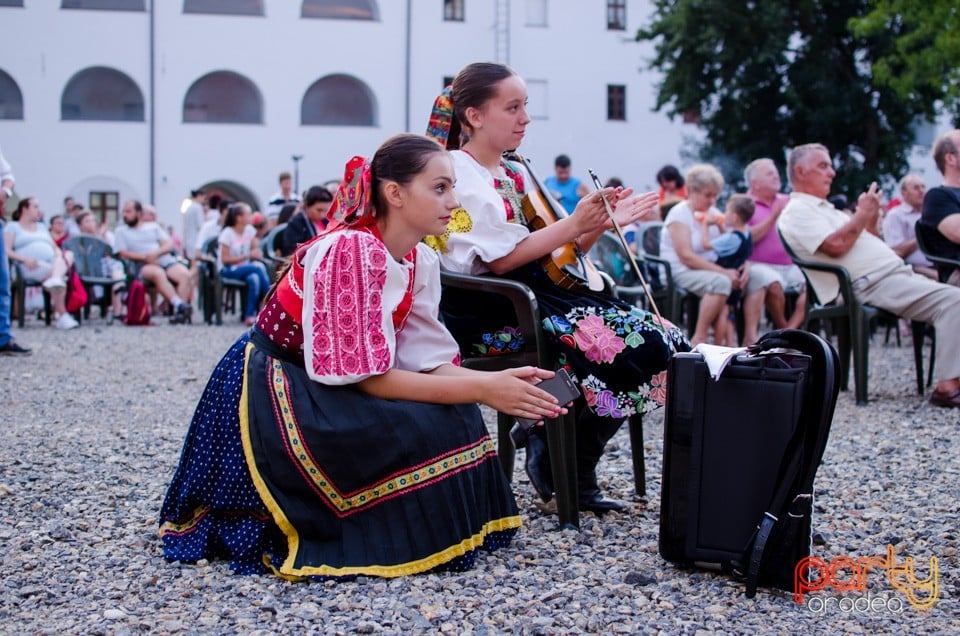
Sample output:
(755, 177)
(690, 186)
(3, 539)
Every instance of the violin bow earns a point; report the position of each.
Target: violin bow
(626, 247)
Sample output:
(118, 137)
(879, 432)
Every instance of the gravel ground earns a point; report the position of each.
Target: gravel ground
(95, 419)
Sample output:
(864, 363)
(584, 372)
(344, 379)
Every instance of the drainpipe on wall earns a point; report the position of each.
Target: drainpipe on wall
(406, 82)
(152, 90)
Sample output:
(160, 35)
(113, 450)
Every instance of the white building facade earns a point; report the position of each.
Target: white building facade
(105, 100)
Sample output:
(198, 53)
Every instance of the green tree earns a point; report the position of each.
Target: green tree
(761, 77)
(926, 50)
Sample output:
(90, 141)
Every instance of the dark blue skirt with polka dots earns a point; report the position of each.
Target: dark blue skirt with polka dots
(311, 481)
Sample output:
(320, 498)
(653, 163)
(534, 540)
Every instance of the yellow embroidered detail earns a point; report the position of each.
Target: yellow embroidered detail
(400, 569)
(460, 222)
(170, 527)
(388, 487)
(293, 539)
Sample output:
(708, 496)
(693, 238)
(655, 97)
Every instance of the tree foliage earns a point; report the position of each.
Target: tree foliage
(926, 50)
(761, 77)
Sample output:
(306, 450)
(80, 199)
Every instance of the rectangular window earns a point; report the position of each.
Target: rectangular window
(536, 13)
(11, 3)
(616, 15)
(105, 206)
(616, 102)
(453, 10)
(104, 5)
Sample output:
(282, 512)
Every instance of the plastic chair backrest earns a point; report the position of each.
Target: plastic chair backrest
(88, 254)
(945, 265)
(210, 247)
(609, 256)
(270, 242)
(649, 234)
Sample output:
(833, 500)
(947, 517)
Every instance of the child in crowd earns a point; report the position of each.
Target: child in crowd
(733, 248)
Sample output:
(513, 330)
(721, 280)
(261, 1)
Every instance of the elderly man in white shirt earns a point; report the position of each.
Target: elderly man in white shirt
(899, 224)
(817, 231)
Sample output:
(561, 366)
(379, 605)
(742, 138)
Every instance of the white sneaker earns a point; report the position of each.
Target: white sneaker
(66, 321)
(54, 282)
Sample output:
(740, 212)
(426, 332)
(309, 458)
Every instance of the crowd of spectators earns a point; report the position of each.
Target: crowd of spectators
(231, 233)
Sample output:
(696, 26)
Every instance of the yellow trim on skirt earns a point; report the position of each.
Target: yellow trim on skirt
(287, 569)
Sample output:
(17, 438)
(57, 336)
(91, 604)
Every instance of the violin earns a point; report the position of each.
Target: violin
(567, 266)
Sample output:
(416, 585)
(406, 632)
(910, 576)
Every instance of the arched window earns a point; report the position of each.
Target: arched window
(99, 93)
(226, 7)
(338, 100)
(104, 5)
(341, 9)
(11, 99)
(223, 97)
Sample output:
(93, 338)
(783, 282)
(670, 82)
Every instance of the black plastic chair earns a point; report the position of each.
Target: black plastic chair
(945, 266)
(851, 320)
(218, 293)
(89, 253)
(18, 293)
(271, 256)
(561, 432)
(674, 301)
(610, 257)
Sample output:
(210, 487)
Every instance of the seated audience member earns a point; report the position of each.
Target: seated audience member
(237, 246)
(763, 183)
(613, 182)
(286, 212)
(672, 186)
(733, 248)
(103, 232)
(940, 219)
(899, 224)
(70, 211)
(212, 226)
(29, 243)
(148, 247)
(309, 221)
(817, 231)
(695, 268)
(58, 230)
(110, 267)
(260, 224)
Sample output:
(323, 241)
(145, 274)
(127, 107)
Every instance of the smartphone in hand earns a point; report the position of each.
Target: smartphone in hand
(560, 386)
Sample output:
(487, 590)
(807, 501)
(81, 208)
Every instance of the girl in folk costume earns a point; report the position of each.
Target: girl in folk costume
(617, 353)
(339, 437)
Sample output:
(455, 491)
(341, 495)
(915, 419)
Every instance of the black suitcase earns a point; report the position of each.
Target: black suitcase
(741, 452)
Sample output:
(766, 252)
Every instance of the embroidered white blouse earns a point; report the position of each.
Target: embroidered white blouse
(485, 234)
(352, 287)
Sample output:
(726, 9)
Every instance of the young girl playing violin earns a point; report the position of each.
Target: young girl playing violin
(339, 437)
(617, 353)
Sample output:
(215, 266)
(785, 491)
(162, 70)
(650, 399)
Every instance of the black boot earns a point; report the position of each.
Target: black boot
(537, 463)
(593, 433)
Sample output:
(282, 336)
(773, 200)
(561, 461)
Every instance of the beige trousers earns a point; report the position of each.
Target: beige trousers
(907, 294)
